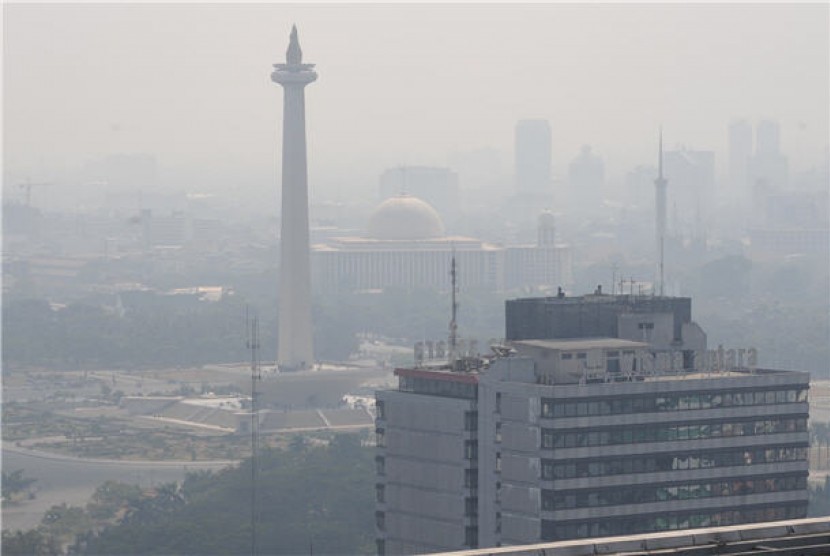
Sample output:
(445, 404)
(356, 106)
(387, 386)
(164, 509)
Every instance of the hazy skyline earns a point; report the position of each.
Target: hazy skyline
(401, 84)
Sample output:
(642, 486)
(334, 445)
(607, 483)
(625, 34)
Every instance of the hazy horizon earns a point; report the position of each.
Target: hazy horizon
(401, 84)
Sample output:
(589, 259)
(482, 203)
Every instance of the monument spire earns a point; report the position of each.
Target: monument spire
(294, 54)
(295, 349)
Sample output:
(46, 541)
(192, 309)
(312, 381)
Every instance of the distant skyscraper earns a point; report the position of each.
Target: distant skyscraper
(295, 347)
(740, 149)
(769, 137)
(692, 175)
(768, 168)
(533, 156)
(586, 177)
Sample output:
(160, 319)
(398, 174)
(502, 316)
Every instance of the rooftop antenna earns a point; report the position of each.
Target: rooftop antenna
(252, 343)
(453, 325)
(660, 216)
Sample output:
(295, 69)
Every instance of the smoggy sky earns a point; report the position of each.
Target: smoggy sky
(401, 84)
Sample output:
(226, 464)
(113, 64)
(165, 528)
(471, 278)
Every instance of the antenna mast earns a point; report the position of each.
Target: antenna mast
(660, 215)
(453, 325)
(252, 344)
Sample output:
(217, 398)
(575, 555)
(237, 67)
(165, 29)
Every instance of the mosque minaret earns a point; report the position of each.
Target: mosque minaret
(295, 349)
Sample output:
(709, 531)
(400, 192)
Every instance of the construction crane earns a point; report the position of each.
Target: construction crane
(28, 185)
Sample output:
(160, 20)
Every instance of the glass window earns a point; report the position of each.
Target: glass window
(471, 507)
(547, 469)
(470, 449)
(470, 420)
(471, 477)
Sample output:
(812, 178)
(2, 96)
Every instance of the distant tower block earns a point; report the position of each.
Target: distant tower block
(295, 346)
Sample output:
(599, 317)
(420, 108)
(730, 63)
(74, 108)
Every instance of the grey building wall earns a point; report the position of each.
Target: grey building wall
(423, 506)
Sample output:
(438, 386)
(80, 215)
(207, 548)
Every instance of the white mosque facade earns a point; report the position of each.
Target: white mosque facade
(406, 247)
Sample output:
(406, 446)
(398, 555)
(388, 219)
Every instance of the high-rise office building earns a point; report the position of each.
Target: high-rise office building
(586, 180)
(691, 174)
(768, 167)
(533, 157)
(295, 345)
(588, 436)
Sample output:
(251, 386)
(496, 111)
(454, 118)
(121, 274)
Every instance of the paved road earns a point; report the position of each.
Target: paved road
(73, 480)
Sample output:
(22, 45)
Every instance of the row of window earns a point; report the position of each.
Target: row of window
(611, 527)
(445, 388)
(670, 462)
(669, 402)
(641, 494)
(665, 433)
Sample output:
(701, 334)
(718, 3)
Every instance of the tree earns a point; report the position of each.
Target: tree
(320, 496)
(14, 482)
(31, 543)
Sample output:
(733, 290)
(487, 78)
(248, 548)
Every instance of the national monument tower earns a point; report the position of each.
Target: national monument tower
(295, 346)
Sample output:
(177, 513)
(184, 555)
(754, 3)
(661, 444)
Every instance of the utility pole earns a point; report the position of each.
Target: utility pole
(252, 343)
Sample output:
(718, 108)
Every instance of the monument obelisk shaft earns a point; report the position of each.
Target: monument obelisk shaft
(295, 349)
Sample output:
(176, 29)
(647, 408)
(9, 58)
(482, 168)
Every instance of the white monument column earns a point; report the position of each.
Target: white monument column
(295, 347)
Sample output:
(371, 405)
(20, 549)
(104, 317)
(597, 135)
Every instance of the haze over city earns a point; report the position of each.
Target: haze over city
(412, 278)
(402, 84)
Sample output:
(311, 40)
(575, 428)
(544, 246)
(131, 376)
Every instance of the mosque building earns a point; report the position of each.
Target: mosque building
(406, 247)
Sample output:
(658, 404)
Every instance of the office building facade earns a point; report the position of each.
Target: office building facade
(555, 439)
